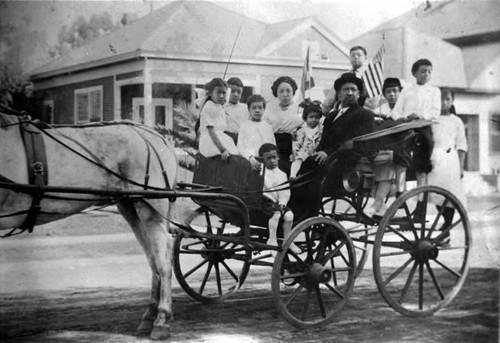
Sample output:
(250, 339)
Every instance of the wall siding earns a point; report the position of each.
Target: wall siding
(63, 97)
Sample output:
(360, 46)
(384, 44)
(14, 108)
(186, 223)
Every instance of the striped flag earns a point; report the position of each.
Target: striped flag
(373, 76)
(307, 78)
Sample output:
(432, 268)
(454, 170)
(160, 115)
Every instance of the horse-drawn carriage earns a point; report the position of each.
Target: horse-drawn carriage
(416, 270)
(218, 242)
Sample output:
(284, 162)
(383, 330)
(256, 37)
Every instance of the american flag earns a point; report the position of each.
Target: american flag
(373, 76)
(307, 78)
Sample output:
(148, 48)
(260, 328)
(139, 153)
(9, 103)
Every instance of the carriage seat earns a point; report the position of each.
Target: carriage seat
(235, 177)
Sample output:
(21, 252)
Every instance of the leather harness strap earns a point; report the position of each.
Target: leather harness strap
(37, 169)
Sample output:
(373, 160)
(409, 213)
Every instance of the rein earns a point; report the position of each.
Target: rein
(39, 177)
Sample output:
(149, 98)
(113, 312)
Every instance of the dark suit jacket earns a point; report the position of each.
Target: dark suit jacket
(356, 121)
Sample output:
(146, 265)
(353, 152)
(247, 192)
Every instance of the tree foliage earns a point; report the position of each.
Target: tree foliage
(82, 31)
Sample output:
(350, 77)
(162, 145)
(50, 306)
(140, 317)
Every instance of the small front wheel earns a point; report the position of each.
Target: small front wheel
(210, 270)
(313, 276)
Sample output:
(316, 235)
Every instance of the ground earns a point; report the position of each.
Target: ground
(84, 279)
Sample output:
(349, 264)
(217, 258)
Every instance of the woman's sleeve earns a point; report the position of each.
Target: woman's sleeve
(209, 115)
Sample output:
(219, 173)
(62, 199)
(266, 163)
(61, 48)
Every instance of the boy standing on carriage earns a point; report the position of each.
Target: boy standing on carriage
(237, 112)
(276, 196)
(420, 101)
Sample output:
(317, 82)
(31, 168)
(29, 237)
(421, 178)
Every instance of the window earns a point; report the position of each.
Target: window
(495, 133)
(88, 104)
(162, 111)
(48, 111)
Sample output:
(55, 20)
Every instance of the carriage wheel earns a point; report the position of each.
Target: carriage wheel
(420, 261)
(207, 269)
(344, 211)
(310, 287)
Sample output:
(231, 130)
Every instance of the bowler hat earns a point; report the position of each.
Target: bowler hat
(346, 78)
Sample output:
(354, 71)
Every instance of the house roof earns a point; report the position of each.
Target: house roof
(183, 29)
(454, 20)
(404, 45)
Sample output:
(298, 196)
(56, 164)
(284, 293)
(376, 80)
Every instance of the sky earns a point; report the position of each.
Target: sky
(42, 19)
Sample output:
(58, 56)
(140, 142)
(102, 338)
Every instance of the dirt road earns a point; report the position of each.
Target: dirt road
(68, 284)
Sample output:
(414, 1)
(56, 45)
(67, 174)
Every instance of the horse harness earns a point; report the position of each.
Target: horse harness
(32, 136)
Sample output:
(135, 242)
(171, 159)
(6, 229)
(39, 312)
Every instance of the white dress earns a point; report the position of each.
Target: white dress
(449, 137)
(214, 115)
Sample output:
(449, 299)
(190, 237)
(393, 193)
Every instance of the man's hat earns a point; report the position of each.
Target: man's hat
(346, 78)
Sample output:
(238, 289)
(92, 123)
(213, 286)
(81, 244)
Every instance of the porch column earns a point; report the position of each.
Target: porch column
(149, 119)
(117, 108)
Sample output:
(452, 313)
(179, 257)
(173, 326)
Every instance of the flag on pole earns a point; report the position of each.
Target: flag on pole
(307, 78)
(373, 76)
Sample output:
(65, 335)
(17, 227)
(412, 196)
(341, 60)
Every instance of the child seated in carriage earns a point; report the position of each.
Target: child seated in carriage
(274, 203)
(308, 134)
(254, 132)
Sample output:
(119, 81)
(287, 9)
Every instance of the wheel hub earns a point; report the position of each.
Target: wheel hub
(425, 251)
(318, 274)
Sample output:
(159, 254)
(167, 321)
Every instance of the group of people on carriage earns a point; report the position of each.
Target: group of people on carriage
(290, 139)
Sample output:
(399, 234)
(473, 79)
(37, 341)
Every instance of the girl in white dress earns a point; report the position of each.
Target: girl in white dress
(448, 155)
(213, 123)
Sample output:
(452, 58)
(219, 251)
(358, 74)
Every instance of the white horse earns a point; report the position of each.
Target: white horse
(124, 150)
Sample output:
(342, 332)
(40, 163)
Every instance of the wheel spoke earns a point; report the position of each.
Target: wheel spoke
(408, 215)
(334, 290)
(217, 277)
(229, 270)
(408, 283)
(398, 271)
(434, 280)
(209, 222)
(421, 286)
(195, 268)
(449, 228)
(319, 298)
(321, 246)
(306, 306)
(292, 276)
(205, 278)
(293, 295)
(439, 214)
(457, 274)
(333, 252)
(396, 231)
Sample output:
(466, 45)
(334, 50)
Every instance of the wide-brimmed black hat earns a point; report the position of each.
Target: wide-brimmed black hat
(348, 77)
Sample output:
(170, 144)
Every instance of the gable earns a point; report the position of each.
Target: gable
(321, 48)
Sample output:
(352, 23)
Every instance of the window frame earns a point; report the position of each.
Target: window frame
(88, 91)
(45, 104)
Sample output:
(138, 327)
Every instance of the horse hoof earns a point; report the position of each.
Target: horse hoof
(160, 332)
(145, 328)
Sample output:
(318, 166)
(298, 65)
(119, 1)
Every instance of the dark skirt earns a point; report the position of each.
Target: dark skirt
(284, 144)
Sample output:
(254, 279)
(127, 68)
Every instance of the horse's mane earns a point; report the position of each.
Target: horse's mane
(6, 119)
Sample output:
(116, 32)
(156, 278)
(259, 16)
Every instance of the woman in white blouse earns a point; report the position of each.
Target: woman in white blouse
(284, 118)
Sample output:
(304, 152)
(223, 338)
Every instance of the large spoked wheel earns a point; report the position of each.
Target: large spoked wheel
(421, 252)
(311, 286)
(344, 211)
(210, 270)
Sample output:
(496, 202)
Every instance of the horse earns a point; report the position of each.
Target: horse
(115, 156)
